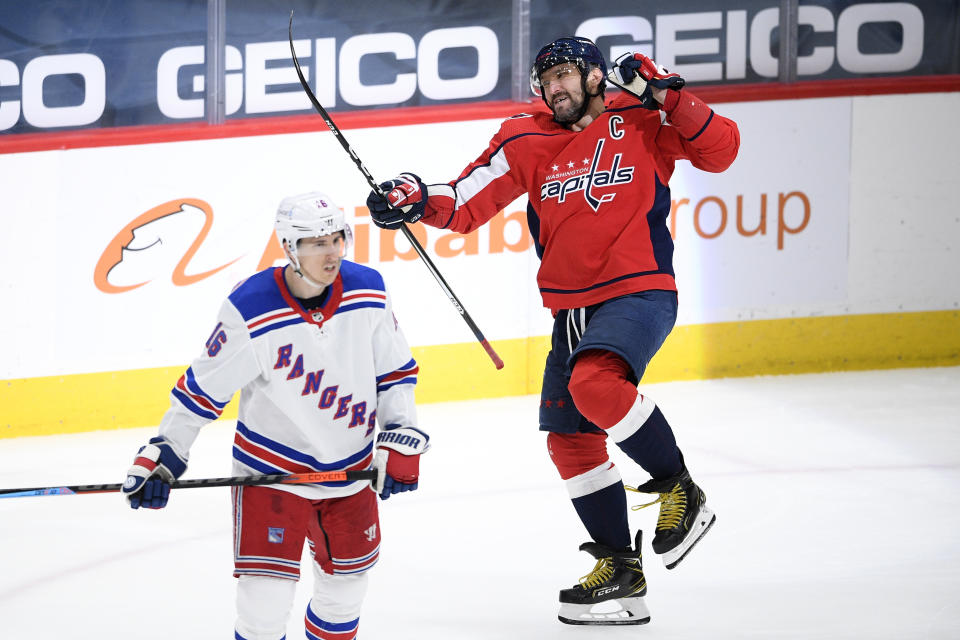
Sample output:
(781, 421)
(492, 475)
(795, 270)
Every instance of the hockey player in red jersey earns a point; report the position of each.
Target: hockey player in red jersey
(596, 178)
(320, 361)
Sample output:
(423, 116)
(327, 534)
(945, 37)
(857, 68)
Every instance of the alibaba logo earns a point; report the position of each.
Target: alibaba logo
(150, 244)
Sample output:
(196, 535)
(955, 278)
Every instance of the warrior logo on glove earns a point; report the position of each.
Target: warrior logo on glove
(398, 459)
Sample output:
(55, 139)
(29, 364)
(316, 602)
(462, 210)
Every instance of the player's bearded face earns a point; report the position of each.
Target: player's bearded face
(564, 92)
(320, 257)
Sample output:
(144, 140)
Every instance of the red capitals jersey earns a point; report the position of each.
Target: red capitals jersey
(598, 198)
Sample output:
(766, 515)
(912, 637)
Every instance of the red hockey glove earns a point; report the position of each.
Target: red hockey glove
(406, 202)
(638, 74)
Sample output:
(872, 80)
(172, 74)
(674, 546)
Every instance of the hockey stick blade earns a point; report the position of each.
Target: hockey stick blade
(235, 481)
(498, 363)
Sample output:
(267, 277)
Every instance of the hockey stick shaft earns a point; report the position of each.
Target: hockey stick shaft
(376, 187)
(235, 481)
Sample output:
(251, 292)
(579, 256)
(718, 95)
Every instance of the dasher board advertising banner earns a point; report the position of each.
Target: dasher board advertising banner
(66, 64)
(710, 42)
(119, 258)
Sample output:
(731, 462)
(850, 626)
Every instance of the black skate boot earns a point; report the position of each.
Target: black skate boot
(610, 594)
(684, 515)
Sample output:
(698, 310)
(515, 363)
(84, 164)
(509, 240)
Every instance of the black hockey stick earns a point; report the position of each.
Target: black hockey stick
(376, 187)
(236, 481)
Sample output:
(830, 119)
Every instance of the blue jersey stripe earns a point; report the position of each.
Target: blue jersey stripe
(703, 128)
(194, 387)
(609, 282)
(276, 325)
(192, 406)
(408, 380)
(359, 305)
(409, 365)
(242, 456)
(660, 238)
(300, 457)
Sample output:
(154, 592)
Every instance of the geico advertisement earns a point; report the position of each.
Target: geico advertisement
(429, 56)
(119, 258)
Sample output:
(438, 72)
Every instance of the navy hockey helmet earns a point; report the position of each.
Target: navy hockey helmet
(580, 51)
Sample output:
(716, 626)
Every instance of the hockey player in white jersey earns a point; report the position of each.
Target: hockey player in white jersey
(320, 361)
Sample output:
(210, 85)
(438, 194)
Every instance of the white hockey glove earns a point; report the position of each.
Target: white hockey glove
(148, 480)
(636, 73)
(398, 460)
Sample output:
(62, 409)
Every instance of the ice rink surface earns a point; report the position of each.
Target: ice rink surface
(837, 500)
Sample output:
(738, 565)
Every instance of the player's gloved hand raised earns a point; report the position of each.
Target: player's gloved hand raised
(148, 480)
(406, 201)
(398, 460)
(639, 75)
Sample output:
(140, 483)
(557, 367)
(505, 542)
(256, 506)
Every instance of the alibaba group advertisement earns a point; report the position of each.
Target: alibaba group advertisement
(119, 258)
(122, 257)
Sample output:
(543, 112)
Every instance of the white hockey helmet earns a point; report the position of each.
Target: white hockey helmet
(309, 215)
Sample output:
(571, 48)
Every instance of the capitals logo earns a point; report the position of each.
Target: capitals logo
(587, 179)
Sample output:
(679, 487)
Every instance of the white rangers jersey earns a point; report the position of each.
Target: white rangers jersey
(312, 384)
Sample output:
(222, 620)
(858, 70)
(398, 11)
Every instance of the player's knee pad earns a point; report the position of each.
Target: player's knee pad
(263, 607)
(583, 462)
(338, 596)
(601, 388)
(577, 453)
(334, 609)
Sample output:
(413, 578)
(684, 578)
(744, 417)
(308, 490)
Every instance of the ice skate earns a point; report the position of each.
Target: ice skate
(684, 515)
(610, 594)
